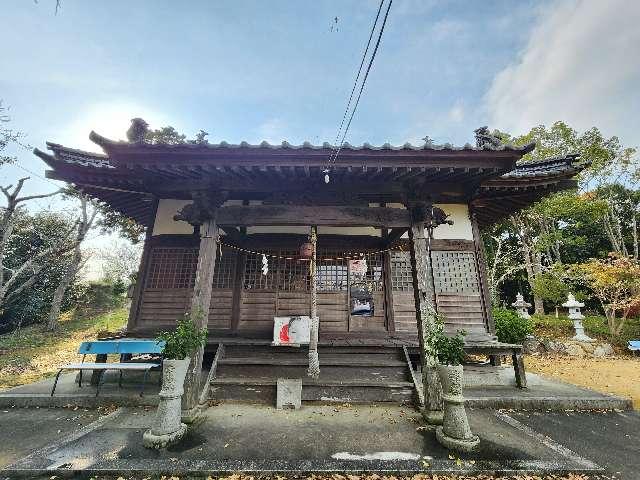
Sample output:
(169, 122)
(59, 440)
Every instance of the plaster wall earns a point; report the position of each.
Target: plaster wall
(459, 213)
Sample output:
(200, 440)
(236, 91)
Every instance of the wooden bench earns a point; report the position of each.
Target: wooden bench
(494, 350)
(126, 348)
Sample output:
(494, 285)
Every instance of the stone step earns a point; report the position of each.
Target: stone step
(263, 390)
(298, 369)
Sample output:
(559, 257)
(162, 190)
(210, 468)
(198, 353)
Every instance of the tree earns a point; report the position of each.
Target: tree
(615, 281)
(7, 135)
(33, 233)
(503, 258)
(15, 280)
(572, 226)
(552, 286)
(83, 225)
(120, 262)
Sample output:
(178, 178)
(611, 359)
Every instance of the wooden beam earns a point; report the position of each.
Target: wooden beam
(394, 235)
(285, 215)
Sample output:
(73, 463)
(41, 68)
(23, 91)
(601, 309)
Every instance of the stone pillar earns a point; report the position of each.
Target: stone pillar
(522, 307)
(576, 316)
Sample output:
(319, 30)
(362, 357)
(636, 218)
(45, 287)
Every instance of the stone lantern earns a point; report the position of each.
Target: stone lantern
(576, 316)
(522, 307)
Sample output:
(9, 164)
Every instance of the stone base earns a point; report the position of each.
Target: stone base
(458, 444)
(432, 417)
(157, 442)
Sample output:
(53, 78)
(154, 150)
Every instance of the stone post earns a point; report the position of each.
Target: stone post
(576, 316)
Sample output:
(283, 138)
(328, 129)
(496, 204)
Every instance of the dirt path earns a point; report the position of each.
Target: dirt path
(617, 375)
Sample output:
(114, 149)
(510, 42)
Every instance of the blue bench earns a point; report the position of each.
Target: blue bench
(126, 348)
(634, 345)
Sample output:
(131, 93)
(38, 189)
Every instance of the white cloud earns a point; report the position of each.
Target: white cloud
(581, 65)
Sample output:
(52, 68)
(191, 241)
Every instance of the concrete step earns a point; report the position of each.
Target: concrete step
(263, 390)
(298, 369)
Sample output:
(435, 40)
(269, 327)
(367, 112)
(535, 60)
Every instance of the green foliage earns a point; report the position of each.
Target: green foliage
(447, 350)
(510, 328)
(101, 296)
(552, 285)
(451, 349)
(184, 340)
(33, 233)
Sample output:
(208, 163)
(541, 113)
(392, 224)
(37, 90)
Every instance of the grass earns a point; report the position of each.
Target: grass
(33, 353)
(548, 326)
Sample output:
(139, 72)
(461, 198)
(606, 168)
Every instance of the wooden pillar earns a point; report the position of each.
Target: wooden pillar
(202, 212)
(481, 262)
(200, 304)
(141, 278)
(424, 296)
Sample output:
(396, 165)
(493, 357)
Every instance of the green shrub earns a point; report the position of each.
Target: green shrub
(99, 297)
(510, 328)
(184, 340)
(451, 349)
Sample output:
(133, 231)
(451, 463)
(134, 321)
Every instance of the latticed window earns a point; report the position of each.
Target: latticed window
(172, 268)
(288, 273)
(455, 272)
(175, 267)
(401, 279)
(223, 276)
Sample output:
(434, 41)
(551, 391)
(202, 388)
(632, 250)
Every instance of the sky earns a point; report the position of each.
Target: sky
(256, 70)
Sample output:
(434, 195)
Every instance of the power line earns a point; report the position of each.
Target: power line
(364, 81)
(355, 83)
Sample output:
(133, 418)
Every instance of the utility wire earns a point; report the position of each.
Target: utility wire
(355, 83)
(364, 81)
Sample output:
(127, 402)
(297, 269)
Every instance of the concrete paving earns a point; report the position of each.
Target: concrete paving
(317, 438)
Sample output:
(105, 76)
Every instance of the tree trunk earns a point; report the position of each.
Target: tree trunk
(58, 296)
(84, 225)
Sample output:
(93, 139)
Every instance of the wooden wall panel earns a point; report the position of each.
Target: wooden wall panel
(162, 307)
(257, 309)
(404, 312)
(375, 323)
(332, 310)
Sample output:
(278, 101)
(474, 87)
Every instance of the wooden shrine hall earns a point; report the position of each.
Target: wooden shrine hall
(217, 214)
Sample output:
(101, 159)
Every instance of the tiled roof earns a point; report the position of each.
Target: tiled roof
(546, 167)
(105, 142)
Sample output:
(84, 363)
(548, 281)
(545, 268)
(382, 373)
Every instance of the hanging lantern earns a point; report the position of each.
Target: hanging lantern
(306, 250)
